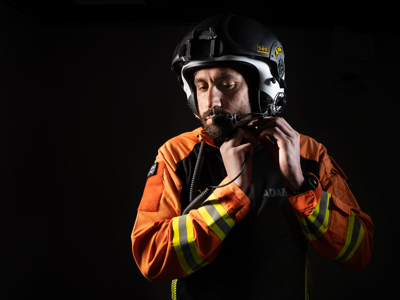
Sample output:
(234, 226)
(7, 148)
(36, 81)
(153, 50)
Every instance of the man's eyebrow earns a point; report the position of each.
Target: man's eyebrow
(223, 76)
(198, 80)
(227, 76)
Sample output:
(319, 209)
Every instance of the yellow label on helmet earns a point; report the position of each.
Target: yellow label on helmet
(277, 51)
(262, 49)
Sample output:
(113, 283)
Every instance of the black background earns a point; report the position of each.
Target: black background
(85, 106)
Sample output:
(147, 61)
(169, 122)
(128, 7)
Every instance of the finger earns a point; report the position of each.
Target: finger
(247, 149)
(262, 121)
(234, 139)
(249, 136)
(276, 132)
(274, 123)
(279, 122)
(246, 152)
(238, 135)
(240, 152)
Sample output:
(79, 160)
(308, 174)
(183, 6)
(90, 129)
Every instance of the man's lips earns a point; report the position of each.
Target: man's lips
(213, 114)
(209, 118)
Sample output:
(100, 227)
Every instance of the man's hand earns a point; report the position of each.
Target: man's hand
(286, 152)
(234, 155)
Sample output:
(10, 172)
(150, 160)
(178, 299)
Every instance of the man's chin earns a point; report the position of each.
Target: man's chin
(218, 132)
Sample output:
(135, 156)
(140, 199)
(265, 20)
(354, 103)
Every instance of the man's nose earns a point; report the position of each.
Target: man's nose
(214, 97)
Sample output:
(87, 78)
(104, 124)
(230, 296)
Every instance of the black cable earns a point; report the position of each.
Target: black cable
(207, 192)
(197, 170)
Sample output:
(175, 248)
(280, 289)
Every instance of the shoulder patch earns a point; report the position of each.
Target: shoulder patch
(153, 170)
(153, 189)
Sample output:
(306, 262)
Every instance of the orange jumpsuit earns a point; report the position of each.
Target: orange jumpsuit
(168, 246)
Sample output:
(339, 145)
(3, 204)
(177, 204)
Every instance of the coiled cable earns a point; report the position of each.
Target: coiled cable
(197, 171)
(207, 192)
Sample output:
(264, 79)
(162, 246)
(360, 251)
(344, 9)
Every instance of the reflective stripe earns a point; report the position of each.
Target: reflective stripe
(177, 246)
(194, 253)
(354, 236)
(316, 223)
(173, 289)
(217, 217)
(185, 245)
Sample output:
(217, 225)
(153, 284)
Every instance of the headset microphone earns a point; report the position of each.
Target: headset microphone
(224, 118)
(233, 118)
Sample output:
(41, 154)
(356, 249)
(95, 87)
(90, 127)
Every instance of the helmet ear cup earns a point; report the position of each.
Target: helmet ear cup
(280, 102)
(272, 106)
(278, 66)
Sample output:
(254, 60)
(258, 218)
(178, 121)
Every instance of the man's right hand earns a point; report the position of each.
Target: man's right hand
(235, 154)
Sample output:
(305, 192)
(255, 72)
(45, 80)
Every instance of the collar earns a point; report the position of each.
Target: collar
(202, 135)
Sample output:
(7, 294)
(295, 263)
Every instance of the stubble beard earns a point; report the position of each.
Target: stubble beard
(221, 132)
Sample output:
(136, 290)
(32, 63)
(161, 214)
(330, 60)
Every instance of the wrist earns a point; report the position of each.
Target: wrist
(243, 183)
(296, 183)
(310, 183)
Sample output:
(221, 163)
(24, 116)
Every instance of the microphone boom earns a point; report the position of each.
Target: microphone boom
(224, 118)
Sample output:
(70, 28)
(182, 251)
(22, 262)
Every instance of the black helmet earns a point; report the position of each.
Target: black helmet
(239, 43)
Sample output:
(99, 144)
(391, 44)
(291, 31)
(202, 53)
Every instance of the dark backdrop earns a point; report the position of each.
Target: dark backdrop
(83, 110)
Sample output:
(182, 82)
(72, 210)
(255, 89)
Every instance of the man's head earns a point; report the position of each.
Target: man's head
(239, 43)
(221, 90)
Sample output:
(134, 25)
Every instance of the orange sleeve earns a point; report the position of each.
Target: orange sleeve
(331, 218)
(168, 246)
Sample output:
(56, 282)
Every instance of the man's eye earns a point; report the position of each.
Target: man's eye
(229, 86)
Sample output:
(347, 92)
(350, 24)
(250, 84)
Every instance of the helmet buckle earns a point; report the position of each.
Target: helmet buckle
(212, 36)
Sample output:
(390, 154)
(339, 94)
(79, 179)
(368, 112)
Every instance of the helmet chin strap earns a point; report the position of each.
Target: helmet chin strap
(273, 108)
(234, 119)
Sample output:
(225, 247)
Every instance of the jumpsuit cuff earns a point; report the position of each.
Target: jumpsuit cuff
(234, 200)
(304, 203)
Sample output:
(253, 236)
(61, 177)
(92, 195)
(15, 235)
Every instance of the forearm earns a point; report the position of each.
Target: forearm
(167, 245)
(334, 226)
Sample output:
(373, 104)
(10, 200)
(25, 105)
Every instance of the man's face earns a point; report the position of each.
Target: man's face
(221, 90)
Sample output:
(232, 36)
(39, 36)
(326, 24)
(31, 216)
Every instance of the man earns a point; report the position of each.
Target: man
(228, 209)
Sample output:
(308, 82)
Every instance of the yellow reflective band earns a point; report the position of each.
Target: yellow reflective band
(178, 248)
(212, 197)
(316, 223)
(192, 243)
(349, 233)
(173, 289)
(302, 221)
(357, 245)
(224, 214)
(210, 222)
(321, 230)
(354, 236)
(216, 217)
(314, 214)
(185, 245)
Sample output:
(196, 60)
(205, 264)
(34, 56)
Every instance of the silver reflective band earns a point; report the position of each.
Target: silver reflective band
(217, 218)
(185, 244)
(354, 237)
